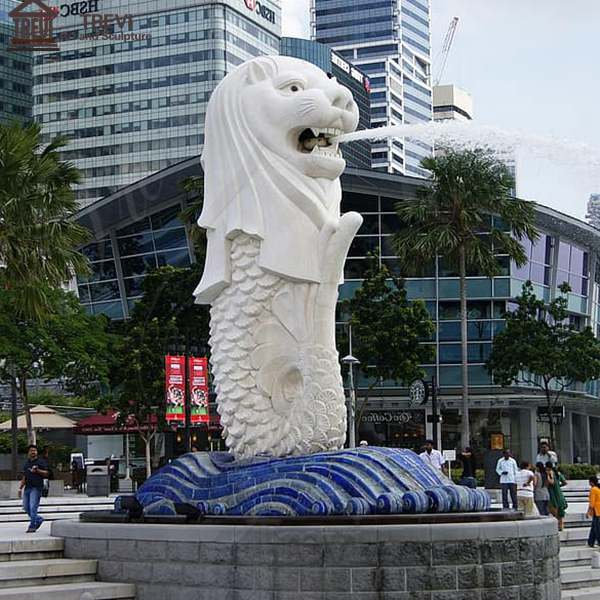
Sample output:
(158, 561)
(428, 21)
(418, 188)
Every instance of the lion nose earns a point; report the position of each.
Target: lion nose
(341, 97)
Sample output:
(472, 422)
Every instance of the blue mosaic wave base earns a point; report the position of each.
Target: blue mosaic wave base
(359, 481)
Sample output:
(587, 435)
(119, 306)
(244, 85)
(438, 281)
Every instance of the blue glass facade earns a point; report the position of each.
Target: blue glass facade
(121, 260)
(16, 78)
(138, 229)
(135, 106)
(390, 41)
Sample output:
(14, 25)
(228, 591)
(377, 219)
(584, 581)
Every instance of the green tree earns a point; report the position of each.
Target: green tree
(68, 344)
(194, 188)
(540, 348)
(51, 398)
(164, 318)
(450, 218)
(387, 331)
(38, 236)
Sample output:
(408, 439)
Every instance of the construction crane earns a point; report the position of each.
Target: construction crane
(446, 46)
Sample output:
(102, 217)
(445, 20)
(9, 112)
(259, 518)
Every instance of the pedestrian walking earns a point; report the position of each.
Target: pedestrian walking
(557, 504)
(32, 483)
(507, 469)
(546, 455)
(434, 458)
(541, 495)
(594, 512)
(525, 490)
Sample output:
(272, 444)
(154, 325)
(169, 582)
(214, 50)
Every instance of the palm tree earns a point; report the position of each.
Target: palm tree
(39, 238)
(448, 218)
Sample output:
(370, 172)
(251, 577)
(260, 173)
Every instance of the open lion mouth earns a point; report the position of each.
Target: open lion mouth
(314, 140)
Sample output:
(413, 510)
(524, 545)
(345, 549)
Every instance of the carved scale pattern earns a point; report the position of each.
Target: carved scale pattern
(279, 393)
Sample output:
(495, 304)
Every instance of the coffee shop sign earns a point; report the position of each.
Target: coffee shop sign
(387, 417)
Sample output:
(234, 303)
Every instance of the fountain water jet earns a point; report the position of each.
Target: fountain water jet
(470, 135)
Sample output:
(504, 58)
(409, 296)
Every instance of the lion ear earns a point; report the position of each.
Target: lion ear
(260, 69)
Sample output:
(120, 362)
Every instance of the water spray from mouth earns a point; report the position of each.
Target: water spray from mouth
(469, 135)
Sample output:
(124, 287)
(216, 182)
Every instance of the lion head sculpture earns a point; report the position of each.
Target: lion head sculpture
(271, 169)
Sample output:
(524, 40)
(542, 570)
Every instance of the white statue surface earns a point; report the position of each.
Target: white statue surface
(275, 255)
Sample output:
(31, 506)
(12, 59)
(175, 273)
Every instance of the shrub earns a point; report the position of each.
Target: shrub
(578, 471)
(6, 442)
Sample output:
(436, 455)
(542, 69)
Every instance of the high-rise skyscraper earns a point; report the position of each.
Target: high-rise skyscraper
(451, 103)
(16, 101)
(593, 210)
(389, 40)
(130, 82)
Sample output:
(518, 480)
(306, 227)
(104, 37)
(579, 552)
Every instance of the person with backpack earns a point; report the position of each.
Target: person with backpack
(36, 469)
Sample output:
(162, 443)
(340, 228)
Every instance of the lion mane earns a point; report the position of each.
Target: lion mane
(249, 188)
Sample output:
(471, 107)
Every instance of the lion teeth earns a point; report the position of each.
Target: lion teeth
(328, 131)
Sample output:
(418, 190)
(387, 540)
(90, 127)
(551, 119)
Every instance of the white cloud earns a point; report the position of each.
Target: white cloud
(296, 18)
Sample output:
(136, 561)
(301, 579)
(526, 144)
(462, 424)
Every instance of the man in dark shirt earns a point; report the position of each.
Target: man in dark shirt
(468, 462)
(32, 483)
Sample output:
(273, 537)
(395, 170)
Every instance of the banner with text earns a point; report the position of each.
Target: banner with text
(198, 374)
(175, 388)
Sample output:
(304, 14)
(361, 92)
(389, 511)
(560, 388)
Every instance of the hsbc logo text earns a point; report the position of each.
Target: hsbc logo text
(261, 9)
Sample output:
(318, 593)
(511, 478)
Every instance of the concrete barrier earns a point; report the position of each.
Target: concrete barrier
(438, 561)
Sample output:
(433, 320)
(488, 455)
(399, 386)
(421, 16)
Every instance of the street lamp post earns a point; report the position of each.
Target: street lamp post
(351, 361)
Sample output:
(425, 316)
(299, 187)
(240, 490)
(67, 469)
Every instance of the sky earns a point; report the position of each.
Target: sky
(531, 66)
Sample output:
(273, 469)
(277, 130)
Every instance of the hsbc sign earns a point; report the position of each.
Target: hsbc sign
(259, 8)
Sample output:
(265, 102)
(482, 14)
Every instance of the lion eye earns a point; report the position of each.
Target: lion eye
(294, 87)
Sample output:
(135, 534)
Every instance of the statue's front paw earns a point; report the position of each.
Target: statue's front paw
(338, 246)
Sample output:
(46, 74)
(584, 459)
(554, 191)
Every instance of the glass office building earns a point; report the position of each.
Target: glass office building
(357, 154)
(131, 80)
(16, 78)
(137, 229)
(389, 40)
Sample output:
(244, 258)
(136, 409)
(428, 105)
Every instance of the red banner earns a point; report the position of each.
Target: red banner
(198, 377)
(175, 388)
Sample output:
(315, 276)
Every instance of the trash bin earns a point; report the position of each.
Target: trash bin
(98, 480)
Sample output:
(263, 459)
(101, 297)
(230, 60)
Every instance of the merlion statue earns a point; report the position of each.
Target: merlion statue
(275, 255)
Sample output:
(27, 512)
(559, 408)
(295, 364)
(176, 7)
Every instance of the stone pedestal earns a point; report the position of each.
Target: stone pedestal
(508, 560)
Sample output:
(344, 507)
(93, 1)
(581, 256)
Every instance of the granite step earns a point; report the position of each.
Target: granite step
(95, 590)
(574, 536)
(31, 549)
(14, 510)
(62, 500)
(48, 516)
(588, 593)
(579, 577)
(576, 556)
(28, 573)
